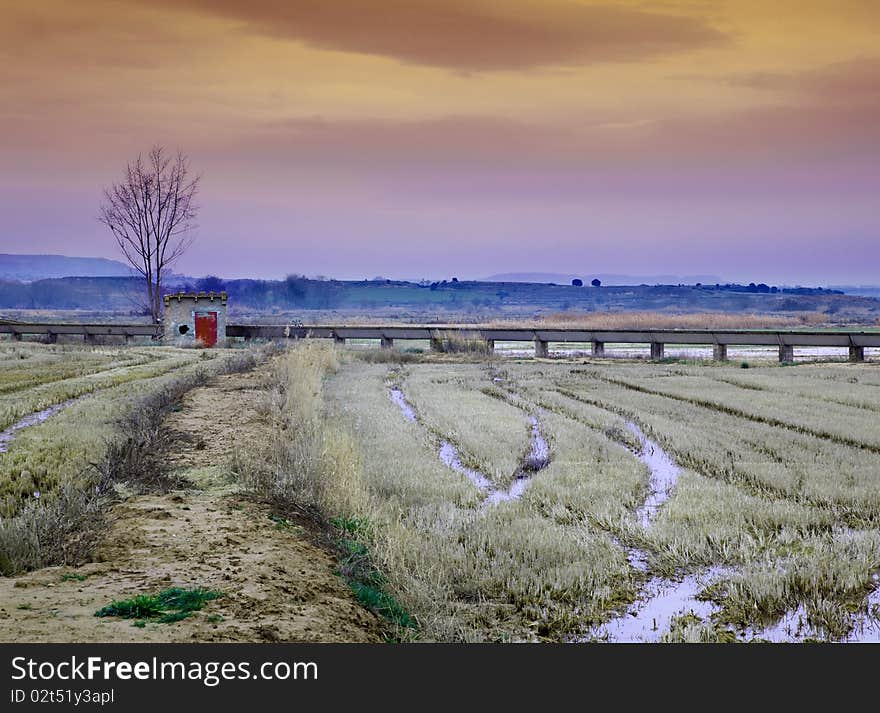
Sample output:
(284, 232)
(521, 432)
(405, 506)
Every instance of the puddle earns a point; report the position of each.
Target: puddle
(867, 626)
(647, 620)
(636, 558)
(794, 627)
(791, 628)
(33, 419)
(664, 474)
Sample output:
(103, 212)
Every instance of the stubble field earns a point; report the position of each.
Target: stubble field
(512, 500)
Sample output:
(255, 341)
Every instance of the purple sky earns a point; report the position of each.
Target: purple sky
(354, 139)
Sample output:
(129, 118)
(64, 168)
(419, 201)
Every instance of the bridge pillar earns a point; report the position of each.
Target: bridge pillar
(128, 338)
(339, 340)
(51, 338)
(541, 349)
(786, 353)
(16, 336)
(490, 345)
(856, 353)
(90, 338)
(387, 343)
(719, 352)
(657, 350)
(598, 348)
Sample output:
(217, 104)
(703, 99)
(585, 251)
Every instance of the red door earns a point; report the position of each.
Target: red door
(206, 328)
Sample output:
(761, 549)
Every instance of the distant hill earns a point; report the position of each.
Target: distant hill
(28, 268)
(863, 290)
(606, 279)
(441, 301)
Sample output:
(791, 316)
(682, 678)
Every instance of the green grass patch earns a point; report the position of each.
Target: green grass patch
(351, 525)
(382, 603)
(363, 578)
(167, 607)
(73, 577)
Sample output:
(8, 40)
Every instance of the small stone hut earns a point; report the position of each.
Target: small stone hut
(192, 317)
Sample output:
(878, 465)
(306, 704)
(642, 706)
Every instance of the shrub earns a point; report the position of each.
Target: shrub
(62, 530)
(172, 605)
(459, 343)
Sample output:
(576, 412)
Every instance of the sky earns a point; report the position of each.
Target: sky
(432, 138)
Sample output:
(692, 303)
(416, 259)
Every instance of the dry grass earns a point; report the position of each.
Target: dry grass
(492, 435)
(449, 342)
(51, 382)
(522, 570)
(671, 320)
(791, 514)
(58, 477)
(311, 466)
(779, 484)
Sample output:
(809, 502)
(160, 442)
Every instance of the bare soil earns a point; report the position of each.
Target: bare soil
(277, 583)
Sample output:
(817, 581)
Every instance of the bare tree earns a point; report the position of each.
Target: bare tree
(152, 214)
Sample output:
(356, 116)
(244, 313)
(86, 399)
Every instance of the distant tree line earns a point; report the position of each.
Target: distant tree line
(297, 292)
(762, 288)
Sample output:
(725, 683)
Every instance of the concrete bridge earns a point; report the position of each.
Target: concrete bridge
(90, 332)
(854, 342)
(657, 339)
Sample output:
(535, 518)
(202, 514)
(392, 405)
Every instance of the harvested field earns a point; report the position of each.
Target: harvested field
(277, 583)
(458, 498)
(772, 518)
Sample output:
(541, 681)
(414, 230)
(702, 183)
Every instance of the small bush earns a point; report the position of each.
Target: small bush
(142, 606)
(459, 343)
(167, 607)
(62, 530)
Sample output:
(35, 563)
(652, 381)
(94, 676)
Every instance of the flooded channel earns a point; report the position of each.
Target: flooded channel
(398, 398)
(33, 419)
(664, 475)
(648, 618)
(449, 456)
(537, 458)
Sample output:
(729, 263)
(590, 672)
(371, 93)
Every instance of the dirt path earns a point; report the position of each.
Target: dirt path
(277, 585)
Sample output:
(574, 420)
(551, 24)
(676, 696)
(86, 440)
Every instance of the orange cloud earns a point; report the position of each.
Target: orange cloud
(472, 35)
(851, 82)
